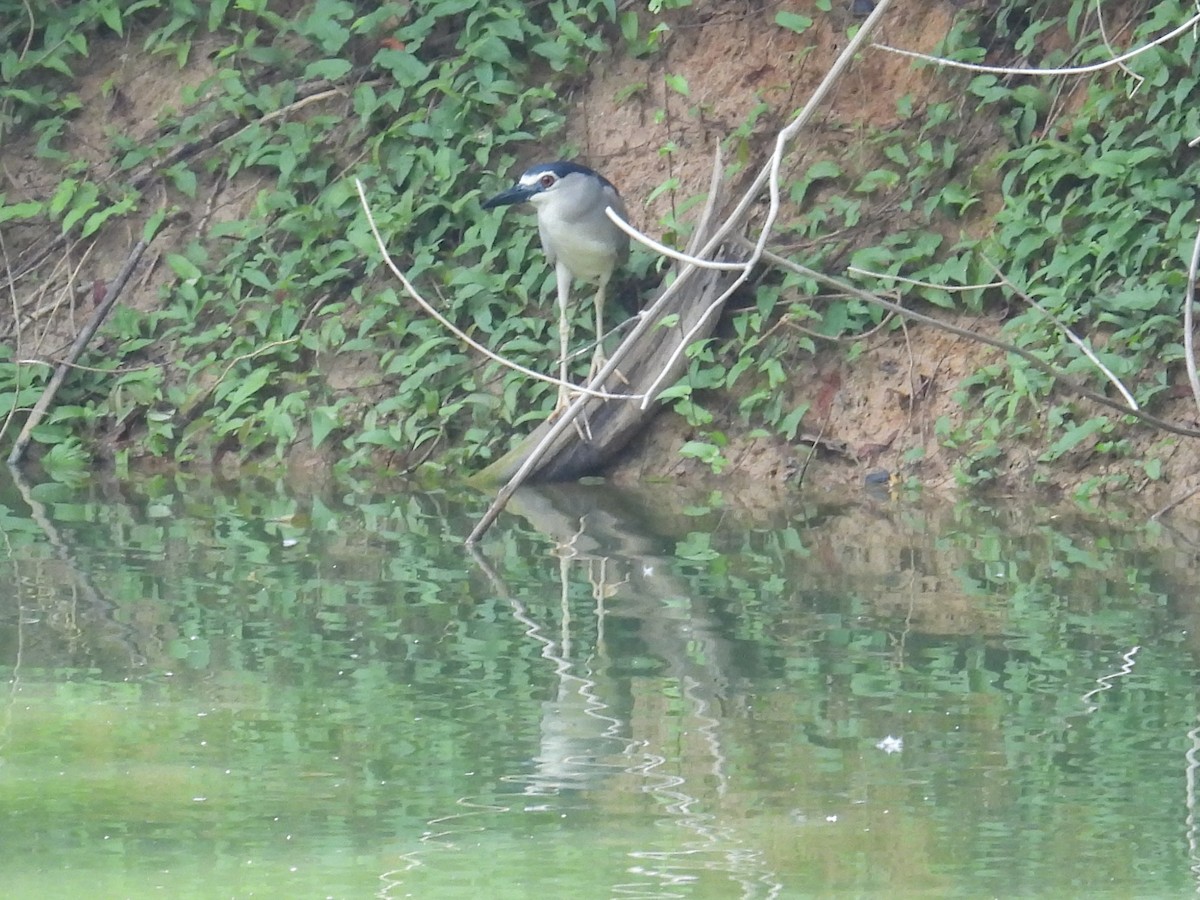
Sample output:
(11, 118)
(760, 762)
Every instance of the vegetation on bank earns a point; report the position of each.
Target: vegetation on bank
(276, 325)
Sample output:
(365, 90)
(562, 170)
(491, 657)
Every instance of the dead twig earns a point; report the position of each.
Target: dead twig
(1071, 336)
(110, 298)
(1178, 501)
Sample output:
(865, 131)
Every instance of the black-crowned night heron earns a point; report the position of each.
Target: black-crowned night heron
(579, 240)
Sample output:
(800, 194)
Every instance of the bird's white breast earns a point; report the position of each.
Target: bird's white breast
(567, 242)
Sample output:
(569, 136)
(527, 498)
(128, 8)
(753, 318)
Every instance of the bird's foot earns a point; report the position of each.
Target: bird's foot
(564, 400)
(599, 360)
(582, 426)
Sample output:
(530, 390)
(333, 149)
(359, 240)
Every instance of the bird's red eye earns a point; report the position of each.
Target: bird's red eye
(547, 180)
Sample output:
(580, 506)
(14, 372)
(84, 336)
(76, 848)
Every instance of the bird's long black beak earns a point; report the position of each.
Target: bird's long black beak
(516, 194)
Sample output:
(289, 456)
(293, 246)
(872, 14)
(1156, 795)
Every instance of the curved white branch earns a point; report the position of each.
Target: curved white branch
(1140, 79)
(948, 288)
(664, 250)
(1068, 70)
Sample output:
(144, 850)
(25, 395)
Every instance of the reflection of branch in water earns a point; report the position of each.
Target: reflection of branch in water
(609, 538)
(576, 732)
(1192, 755)
(571, 746)
(437, 840)
(597, 570)
(901, 642)
(14, 684)
(671, 868)
(709, 727)
(630, 573)
(1105, 681)
(100, 605)
(576, 727)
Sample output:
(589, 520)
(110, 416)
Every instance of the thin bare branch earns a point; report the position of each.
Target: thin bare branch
(664, 250)
(1189, 328)
(949, 289)
(1067, 70)
(1139, 79)
(1071, 336)
(17, 335)
(81, 341)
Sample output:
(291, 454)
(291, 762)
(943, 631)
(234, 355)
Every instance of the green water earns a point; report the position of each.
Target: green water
(256, 692)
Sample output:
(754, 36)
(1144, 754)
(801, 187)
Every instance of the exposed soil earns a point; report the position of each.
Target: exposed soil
(874, 413)
(883, 406)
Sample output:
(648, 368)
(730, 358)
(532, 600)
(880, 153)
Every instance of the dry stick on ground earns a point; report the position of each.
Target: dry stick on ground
(16, 312)
(110, 297)
(1178, 501)
(48, 309)
(816, 442)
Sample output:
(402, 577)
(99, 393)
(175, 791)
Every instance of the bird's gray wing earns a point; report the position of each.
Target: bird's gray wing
(613, 199)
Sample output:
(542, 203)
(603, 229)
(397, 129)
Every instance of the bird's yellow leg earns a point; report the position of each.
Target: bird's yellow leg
(598, 357)
(563, 276)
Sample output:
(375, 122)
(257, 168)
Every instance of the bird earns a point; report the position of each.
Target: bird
(578, 238)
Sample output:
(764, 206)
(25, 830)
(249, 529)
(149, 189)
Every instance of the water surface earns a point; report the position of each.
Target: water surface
(252, 691)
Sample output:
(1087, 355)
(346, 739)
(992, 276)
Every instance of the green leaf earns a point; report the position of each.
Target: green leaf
(1072, 437)
(82, 204)
(62, 196)
(98, 218)
(150, 229)
(793, 21)
(791, 422)
(678, 84)
(27, 210)
(629, 26)
(329, 69)
(183, 267)
(184, 180)
(246, 388)
(554, 53)
(216, 14)
(405, 69)
(111, 14)
(697, 547)
(322, 420)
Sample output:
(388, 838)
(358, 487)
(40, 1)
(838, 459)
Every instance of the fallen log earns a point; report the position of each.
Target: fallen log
(605, 427)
